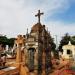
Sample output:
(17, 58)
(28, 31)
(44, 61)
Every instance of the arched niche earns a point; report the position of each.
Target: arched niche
(31, 52)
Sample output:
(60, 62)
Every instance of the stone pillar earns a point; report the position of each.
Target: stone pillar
(18, 56)
(64, 53)
(36, 59)
(39, 62)
(73, 54)
(43, 62)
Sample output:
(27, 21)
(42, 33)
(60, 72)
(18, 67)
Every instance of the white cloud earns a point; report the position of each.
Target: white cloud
(60, 29)
(18, 15)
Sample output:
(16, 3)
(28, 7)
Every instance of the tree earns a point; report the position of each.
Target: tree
(5, 41)
(64, 41)
(73, 40)
(11, 42)
(53, 45)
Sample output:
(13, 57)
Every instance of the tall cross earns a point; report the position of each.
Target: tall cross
(38, 15)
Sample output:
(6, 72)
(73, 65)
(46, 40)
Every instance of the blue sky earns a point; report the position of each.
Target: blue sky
(18, 15)
(68, 16)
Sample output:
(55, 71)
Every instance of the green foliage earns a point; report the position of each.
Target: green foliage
(11, 42)
(73, 40)
(65, 40)
(5, 41)
(53, 45)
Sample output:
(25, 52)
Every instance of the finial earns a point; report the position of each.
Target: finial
(69, 43)
(27, 33)
(38, 15)
(27, 30)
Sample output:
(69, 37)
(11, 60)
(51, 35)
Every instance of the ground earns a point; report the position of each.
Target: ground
(61, 68)
(64, 68)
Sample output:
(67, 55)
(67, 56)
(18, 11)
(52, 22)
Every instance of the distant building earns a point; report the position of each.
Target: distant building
(68, 51)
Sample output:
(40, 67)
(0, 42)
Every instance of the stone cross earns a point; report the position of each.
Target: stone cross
(38, 15)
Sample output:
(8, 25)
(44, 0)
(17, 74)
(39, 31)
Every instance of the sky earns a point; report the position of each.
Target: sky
(18, 15)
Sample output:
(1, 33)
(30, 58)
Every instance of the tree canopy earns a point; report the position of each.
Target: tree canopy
(6, 41)
(65, 39)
